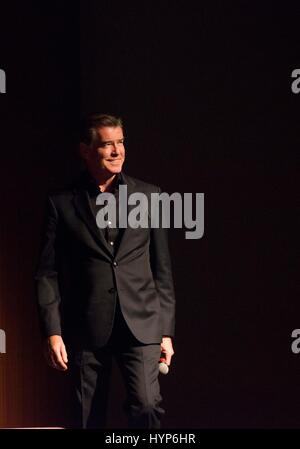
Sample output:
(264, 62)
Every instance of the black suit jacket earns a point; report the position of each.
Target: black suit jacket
(78, 277)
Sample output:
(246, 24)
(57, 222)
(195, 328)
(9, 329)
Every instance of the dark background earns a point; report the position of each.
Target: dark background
(205, 94)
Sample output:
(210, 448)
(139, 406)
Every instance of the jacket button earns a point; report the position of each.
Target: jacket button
(111, 290)
(115, 263)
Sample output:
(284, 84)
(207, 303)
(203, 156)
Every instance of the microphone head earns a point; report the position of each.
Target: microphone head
(163, 368)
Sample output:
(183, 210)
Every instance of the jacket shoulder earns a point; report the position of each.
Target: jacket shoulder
(60, 194)
(140, 184)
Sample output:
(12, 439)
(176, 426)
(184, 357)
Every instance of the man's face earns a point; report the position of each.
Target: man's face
(107, 154)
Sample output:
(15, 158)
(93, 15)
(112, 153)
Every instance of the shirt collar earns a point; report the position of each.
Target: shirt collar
(93, 188)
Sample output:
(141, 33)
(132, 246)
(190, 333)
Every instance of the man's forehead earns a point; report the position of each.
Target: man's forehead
(110, 133)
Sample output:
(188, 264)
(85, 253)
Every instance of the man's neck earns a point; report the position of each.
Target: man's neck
(105, 183)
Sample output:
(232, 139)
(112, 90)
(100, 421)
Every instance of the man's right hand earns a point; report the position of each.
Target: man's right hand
(55, 352)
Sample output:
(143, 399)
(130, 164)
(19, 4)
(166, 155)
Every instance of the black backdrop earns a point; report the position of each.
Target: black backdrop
(205, 94)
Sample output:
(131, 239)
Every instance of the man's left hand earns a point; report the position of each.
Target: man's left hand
(167, 348)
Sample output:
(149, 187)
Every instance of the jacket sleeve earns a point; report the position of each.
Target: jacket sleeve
(162, 273)
(47, 290)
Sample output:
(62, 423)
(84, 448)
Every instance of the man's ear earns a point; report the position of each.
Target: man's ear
(84, 150)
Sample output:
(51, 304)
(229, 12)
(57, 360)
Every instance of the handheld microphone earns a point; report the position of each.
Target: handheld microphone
(163, 367)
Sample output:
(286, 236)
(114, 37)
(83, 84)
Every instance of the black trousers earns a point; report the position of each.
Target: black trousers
(138, 362)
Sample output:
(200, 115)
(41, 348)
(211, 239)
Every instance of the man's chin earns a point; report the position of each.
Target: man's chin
(113, 170)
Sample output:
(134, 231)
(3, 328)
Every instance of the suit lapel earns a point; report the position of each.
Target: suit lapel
(84, 210)
(131, 188)
(82, 205)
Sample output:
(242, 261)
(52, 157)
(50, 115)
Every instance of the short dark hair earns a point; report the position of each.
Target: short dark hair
(91, 122)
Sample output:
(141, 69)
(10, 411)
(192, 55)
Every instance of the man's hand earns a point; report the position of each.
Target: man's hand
(55, 352)
(167, 348)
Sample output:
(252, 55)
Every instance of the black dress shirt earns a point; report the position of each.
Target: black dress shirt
(112, 235)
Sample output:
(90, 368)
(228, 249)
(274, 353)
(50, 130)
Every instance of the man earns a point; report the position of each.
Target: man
(105, 292)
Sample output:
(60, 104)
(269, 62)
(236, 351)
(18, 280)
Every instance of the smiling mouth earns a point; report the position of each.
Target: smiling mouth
(115, 160)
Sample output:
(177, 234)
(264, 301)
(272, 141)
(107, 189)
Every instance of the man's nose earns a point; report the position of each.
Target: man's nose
(115, 147)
